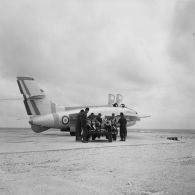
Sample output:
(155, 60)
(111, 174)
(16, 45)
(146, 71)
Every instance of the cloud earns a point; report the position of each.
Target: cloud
(181, 51)
(80, 52)
(70, 39)
(182, 43)
(81, 46)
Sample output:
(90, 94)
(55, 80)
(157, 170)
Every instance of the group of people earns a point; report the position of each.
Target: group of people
(82, 120)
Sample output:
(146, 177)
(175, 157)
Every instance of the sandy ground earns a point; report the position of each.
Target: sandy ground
(53, 163)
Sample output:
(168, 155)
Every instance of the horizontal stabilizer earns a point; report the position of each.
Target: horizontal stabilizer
(35, 97)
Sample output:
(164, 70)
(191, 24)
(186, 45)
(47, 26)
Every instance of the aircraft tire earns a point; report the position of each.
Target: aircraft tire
(65, 129)
(72, 133)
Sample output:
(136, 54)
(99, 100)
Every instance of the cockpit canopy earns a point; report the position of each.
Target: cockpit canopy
(116, 101)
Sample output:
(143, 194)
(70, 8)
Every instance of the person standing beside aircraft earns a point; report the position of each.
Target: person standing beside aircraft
(78, 126)
(113, 120)
(84, 124)
(123, 127)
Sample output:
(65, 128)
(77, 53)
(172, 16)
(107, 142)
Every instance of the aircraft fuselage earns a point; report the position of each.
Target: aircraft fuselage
(66, 119)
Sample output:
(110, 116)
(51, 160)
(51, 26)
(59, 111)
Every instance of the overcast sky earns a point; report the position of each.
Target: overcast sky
(79, 51)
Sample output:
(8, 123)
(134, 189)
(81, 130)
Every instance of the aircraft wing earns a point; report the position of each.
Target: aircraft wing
(73, 116)
(140, 117)
(83, 107)
(135, 118)
(143, 116)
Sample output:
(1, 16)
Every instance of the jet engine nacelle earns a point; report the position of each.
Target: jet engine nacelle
(43, 120)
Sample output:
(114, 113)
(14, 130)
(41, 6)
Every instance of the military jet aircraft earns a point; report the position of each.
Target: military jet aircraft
(45, 114)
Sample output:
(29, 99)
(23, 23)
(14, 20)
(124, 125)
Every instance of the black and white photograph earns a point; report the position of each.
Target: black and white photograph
(97, 97)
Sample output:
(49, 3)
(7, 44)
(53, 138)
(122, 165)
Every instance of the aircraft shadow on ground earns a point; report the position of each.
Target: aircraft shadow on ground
(55, 135)
(99, 140)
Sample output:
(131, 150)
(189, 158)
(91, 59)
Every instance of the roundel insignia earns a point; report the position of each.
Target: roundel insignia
(65, 120)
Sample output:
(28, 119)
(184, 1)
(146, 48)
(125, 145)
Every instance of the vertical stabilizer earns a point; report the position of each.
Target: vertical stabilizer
(35, 100)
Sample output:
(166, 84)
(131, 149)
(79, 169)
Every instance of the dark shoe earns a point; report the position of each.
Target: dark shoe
(85, 141)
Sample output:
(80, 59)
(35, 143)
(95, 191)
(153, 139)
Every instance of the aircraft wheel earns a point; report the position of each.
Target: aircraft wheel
(72, 133)
(66, 129)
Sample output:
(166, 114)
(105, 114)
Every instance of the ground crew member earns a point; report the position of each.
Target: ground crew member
(123, 127)
(114, 126)
(84, 124)
(91, 118)
(113, 120)
(99, 118)
(78, 126)
(99, 121)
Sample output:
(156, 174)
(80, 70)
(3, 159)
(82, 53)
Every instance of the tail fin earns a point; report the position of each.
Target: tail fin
(35, 100)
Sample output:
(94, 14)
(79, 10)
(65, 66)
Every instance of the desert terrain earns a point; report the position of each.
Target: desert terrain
(53, 163)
